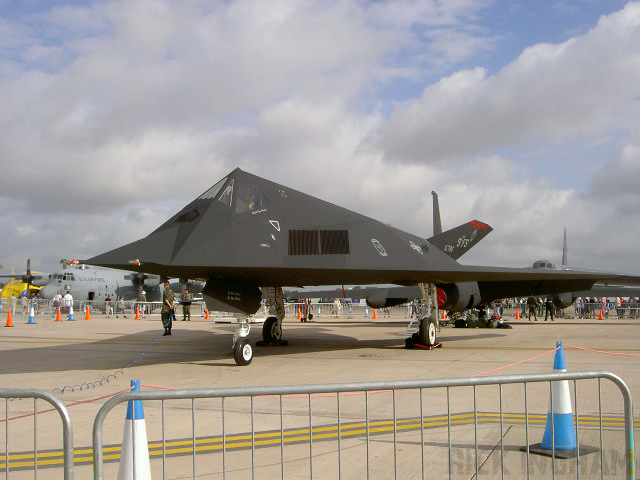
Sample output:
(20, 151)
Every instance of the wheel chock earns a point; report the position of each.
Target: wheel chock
(411, 343)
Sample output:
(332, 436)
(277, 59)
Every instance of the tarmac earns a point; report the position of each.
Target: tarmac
(83, 360)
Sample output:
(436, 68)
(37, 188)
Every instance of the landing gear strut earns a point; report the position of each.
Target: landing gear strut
(428, 326)
(242, 350)
(271, 330)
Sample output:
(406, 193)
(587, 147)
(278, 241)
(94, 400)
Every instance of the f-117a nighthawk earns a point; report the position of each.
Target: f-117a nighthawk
(247, 237)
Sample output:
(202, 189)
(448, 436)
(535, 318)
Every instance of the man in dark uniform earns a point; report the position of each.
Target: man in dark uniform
(166, 314)
(185, 301)
(548, 308)
(533, 308)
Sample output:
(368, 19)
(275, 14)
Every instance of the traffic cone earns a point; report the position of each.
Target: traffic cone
(375, 315)
(517, 314)
(299, 314)
(366, 311)
(87, 313)
(70, 316)
(559, 434)
(9, 322)
(206, 314)
(443, 316)
(58, 317)
(601, 316)
(32, 316)
(134, 442)
(137, 314)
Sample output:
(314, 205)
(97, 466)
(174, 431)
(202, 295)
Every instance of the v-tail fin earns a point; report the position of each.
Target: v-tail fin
(457, 241)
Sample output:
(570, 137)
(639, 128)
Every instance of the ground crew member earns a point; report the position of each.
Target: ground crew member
(166, 313)
(185, 300)
(533, 307)
(548, 308)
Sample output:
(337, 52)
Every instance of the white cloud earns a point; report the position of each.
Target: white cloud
(117, 114)
(550, 92)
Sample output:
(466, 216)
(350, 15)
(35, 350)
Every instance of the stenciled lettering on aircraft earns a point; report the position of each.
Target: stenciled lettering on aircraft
(92, 279)
(234, 296)
(417, 248)
(379, 247)
(255, 212)
(265, 245)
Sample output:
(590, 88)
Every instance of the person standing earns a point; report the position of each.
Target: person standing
(548, 308)
(107, 305)
(166, 313)
(533, 307)
(67, 302)
(185, 301)
(121, 307)
(55, 303)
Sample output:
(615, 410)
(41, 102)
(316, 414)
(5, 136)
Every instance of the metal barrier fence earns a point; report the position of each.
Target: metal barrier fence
(28, 460)
(335, 451)
(345, 310)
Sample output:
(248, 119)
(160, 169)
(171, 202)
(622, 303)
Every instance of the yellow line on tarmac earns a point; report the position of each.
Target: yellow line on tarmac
(272, 438)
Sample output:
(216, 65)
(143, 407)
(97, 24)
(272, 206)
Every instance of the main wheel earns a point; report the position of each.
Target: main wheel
(243, 352)
(271, 331)
(428, 331)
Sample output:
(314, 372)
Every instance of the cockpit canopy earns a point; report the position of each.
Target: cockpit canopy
(543, 264)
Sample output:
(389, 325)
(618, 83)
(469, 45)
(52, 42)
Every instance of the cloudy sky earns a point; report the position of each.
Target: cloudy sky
(525, 115)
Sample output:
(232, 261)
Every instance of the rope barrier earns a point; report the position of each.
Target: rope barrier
(602, 351)
(73, 404)
(516, 363)
(330, 395)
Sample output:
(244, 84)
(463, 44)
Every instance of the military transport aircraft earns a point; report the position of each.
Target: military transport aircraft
(247, 236)
(95, 284)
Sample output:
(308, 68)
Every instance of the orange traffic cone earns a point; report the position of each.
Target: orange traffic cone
(443, 316)
(601, 316)
(299, 314)
(206, 314)
(137, 314)
(375, 314)
(58, 317)
(87, 313)
(9, 322)
(517, 314)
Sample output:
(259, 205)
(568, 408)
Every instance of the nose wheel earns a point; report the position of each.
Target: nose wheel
(243, 352)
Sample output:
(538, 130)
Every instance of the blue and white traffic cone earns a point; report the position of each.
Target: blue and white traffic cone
(366, 311)
(559, 436)
(134, 442)
(70, 317)
(564, 435)
(32, 316)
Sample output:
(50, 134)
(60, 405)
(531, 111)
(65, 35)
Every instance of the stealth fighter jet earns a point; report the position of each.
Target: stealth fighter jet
(247, 237)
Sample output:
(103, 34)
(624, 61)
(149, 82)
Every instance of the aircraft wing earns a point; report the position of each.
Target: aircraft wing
(246, 232)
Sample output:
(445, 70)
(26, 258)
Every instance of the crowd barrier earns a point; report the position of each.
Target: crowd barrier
(32, 458)
(344, 310)
(313, 440)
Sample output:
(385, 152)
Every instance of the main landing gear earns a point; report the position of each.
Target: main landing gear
(271, 330)
(427, 334)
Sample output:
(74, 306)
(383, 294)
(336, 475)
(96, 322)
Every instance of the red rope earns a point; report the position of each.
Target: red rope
(68, 405)
(517, 363)
(602, 351)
